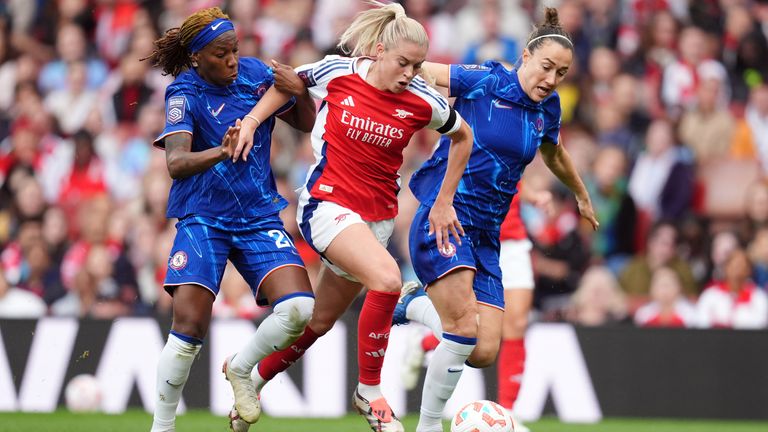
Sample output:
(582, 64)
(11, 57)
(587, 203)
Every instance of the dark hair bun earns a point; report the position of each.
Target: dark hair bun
(551, 19)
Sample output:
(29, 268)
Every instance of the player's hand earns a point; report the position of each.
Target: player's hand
(245, 138)
(286, 79)
(230, 139)
(587, 212)
(443, 222)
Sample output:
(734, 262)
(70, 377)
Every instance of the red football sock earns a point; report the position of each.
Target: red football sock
(279, 361)
(430, 342)
(373, 334)
(510, 370)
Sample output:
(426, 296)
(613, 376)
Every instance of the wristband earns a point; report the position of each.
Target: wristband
(252, 117)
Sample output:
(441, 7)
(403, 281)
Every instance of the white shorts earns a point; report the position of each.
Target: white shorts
(515, 263)
(321, 221)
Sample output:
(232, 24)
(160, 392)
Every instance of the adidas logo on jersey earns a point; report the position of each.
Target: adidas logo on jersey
(348, 101)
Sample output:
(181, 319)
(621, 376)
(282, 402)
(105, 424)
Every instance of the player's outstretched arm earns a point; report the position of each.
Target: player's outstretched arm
(302, 115)
(437, 72)
(442, 218)
(559, 162)
(183, 162)
(272, 100)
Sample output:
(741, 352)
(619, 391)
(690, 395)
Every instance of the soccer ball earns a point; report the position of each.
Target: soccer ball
(482, 416)
(83, 394)
(237, 424)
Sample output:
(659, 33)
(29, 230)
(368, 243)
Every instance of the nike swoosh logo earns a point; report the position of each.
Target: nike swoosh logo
(172, 384)
(455, 370)
(497, 103)
(214, 27)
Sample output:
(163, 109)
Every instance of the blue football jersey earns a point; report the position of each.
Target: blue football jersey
(243, 189)
(508, 129)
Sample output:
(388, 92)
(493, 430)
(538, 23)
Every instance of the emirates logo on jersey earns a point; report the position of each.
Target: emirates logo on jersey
(370, 131)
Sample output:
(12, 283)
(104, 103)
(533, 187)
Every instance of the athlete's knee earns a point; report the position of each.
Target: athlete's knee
(464, 325)
(294, 311)
(388, 280)
(518, 324)
(460, 319)
(190, 324)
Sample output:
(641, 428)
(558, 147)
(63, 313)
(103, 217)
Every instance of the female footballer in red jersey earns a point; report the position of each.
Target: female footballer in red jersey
(372, 104)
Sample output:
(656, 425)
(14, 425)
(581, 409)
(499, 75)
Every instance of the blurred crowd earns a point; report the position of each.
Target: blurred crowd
(665, 113)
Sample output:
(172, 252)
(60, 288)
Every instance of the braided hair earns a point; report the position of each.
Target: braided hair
(171, 51)
(550, 30)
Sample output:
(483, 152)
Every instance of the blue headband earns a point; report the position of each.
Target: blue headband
(209, 33)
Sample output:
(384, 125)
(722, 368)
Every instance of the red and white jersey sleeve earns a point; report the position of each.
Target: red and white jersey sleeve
(719, 307)
(361, 131)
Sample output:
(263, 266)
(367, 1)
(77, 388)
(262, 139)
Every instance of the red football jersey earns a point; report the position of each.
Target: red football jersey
(512, 228)
(361, 131)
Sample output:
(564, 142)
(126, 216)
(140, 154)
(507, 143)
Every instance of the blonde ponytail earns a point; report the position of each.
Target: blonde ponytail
(385, 23)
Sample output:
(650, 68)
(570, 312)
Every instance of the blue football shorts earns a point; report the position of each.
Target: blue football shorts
(256, 247)
(479, 250)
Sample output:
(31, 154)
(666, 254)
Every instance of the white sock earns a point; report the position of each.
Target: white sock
(369, 392)
(443, 373)
(423, 311)
(172, 373)
(286, 323)
(257, 379)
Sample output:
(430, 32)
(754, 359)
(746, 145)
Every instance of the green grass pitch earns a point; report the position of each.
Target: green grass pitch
(199, 421)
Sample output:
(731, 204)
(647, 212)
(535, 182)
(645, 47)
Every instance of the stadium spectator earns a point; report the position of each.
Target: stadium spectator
(598, 300)
(751, 137)
(723, 244)
(94, 292)
(468, 30)
(660, 251)
(667, 306)
(572, 16)
(41, 277)
(72, 104)
(744, 52)
(494, 45)
(756, 211)
(630, 101)
(707, 128)
(614, 243)
(560, 256)
(694, 64)
(757, 250)
(86, 178)
(661, 182)
(71, 46)
(735, 301)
